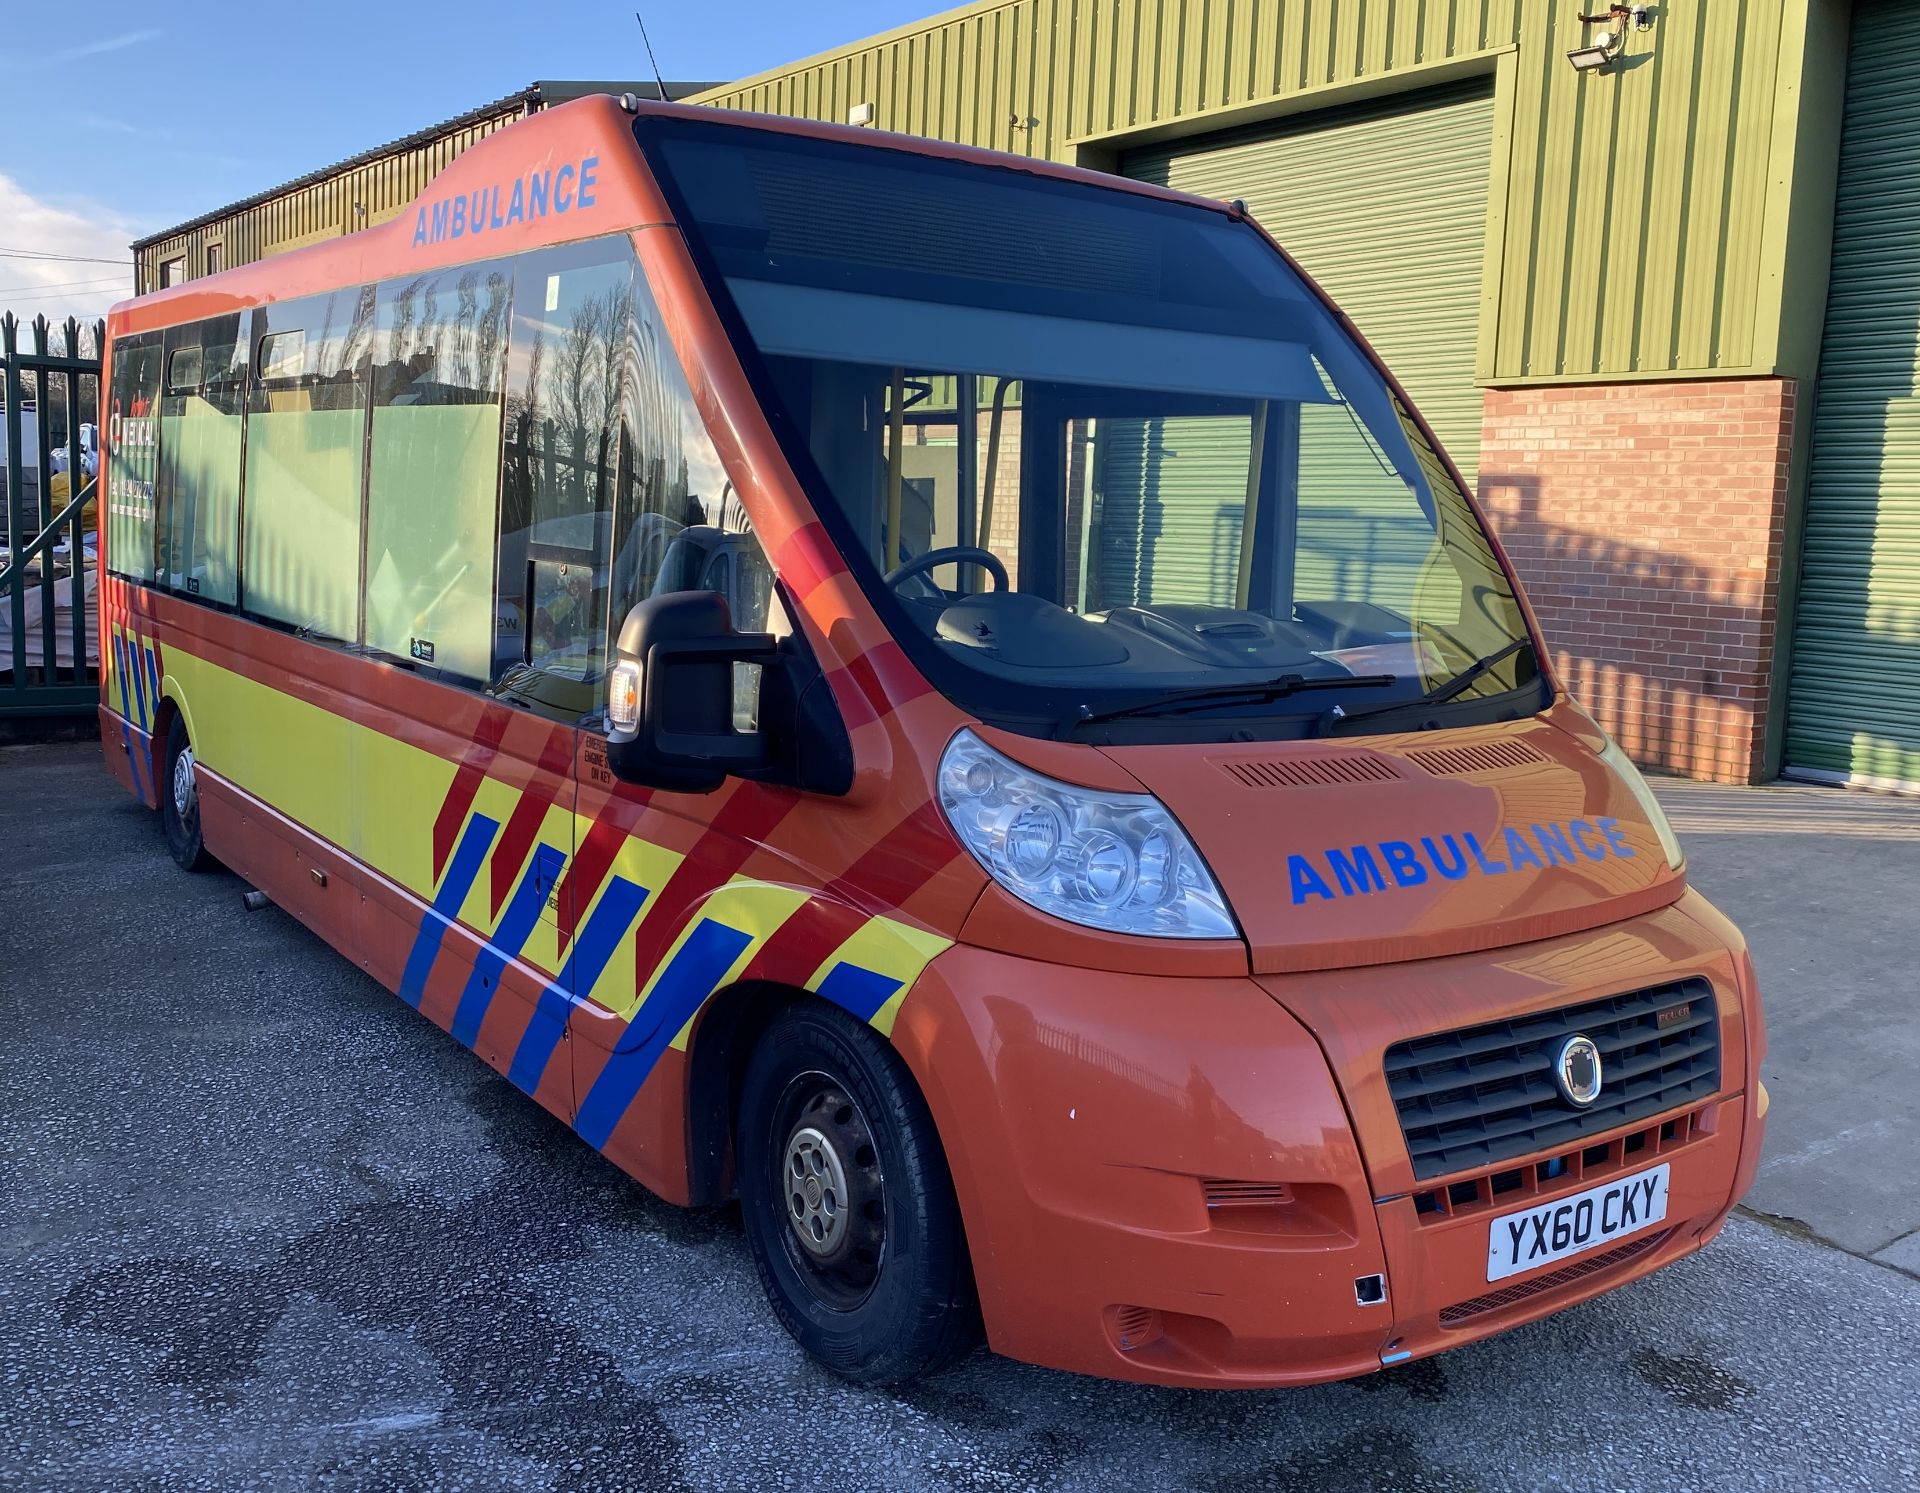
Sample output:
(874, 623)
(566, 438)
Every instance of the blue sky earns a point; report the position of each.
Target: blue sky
(145, 115)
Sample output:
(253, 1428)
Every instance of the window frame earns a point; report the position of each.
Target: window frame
(426, 669)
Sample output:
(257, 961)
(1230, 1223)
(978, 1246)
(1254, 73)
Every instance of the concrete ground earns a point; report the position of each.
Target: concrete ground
(262, 1225)
(1826, 887)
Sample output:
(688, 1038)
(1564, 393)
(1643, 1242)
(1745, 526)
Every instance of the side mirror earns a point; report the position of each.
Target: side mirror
(670, 694)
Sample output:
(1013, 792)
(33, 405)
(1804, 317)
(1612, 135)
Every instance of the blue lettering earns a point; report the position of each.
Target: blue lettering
(537, 193)
(1487, 867)
(1581, 829)
(517, 203)
(1459, 866)
(562, 193)
(1553, 840)
(586, 180)
(1520, 852)
(1306, 881)
(420, 229)
(458, 228)
(439, 230)
(493, 210)
(1356, 871)
(477, 215)
(1400, 860)
(1618, 840)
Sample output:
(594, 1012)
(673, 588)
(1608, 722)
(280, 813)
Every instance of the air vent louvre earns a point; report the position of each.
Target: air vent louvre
(1230, 1194)
(1133, 1326)
(1308, 772)
(1566, 1275)
(1489, 756)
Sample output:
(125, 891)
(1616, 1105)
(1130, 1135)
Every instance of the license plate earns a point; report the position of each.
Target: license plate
(1524, 1241)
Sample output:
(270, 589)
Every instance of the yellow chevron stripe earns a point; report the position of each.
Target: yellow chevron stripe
(756, 908)
(887, 947)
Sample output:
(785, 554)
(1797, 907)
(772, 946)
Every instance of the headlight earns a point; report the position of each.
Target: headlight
(1117, 861)
(1622, 765)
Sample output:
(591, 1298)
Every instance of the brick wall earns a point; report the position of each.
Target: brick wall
(1647, 522)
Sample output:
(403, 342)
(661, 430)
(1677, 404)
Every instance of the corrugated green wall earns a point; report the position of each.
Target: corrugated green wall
(343, 202)
(1635, 227)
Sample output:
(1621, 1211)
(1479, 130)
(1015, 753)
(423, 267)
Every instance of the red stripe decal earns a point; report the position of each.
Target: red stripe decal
(737, 830)
(466, 783)
(886, 678)
(907, 857)
(556, 761)
(593, 860)
(851, 696)
(801, 944)
(806, 559)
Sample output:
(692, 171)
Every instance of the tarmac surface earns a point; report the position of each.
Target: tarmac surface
(263, 1225)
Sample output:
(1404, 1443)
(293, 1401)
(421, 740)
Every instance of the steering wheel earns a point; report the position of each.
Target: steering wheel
(962, 554)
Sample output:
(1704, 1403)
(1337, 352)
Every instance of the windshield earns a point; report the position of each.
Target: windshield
(1094, 455)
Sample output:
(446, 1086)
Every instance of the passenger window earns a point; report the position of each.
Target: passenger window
(306, 442)
(679, 525)
(611, 490)
(197, 511)
(439, 358)
(562, 452)
(133, 391)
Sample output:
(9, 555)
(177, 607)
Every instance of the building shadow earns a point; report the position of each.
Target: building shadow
(1671, 656)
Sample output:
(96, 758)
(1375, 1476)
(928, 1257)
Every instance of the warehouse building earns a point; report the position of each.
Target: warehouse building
(1654, 277)
(349, 195)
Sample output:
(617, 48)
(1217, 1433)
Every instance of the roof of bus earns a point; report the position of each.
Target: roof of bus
(542, 93)
(588, 141)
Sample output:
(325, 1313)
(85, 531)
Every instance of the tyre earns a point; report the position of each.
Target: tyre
(848, 1204)
(180, 802)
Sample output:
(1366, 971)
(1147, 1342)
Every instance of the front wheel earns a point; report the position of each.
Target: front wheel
(848, 1204)
(180, 802)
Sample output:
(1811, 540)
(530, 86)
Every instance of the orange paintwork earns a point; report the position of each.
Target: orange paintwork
(1087, 1087)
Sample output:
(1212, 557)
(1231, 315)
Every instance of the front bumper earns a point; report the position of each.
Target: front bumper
(1162, 1181)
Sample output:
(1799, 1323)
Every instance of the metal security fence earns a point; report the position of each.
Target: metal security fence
(49, 633)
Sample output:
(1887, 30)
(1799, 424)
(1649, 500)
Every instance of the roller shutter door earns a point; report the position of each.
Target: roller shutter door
(1386, 206)
(1853, 700)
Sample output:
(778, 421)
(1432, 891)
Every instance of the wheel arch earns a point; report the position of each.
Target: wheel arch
(717, 1051)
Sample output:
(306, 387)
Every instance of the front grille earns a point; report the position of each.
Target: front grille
(1566, 1275)
(1485, 1093)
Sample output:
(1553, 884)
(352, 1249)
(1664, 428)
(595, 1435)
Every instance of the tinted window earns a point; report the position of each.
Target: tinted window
(1197, 478)
(439, 356)
(197, 514)
(306, 439)
(678, 525)
(132, 433)
(571, 311)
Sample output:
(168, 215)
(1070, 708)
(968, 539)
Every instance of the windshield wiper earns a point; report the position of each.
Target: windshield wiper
(1438, 695)
(1176, 701)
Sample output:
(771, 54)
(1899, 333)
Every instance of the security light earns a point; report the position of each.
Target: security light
(1600, 52)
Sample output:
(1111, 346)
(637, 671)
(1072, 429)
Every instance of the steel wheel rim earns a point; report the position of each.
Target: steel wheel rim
(832, 1192)
(186, 793)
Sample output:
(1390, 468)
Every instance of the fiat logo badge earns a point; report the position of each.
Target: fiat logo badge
(1577, 1070)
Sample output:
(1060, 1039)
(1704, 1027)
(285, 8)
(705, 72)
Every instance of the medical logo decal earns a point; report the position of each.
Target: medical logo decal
(1360, 869)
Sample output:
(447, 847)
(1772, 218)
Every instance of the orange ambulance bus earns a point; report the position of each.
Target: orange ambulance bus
(950, 698)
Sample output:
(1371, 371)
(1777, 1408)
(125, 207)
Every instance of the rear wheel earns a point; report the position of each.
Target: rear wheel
(848, 1204)
(180, 802)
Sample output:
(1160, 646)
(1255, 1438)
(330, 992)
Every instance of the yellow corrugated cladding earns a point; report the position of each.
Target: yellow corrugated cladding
(1632, 233)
